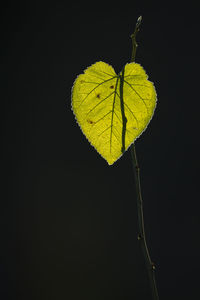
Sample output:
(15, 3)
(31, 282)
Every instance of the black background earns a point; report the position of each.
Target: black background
(68, 220)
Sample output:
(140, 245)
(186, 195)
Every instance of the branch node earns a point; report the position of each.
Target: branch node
(140, 237)
(153, 266)
(137, 167)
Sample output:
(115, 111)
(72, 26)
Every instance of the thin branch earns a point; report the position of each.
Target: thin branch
(141, 236)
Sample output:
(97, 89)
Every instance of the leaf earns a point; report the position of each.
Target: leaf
(113, 110)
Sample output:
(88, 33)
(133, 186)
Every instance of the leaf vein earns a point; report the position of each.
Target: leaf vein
(95, 89)
(99, 103)
(131, 112)
(137, 95)
(113, 108)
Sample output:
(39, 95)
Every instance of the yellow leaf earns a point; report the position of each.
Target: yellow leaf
(113, 110)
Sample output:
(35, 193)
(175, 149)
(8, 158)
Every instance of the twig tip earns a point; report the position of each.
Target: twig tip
(139, 21)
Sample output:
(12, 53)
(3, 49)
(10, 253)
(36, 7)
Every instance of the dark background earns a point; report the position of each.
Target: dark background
(68, 220)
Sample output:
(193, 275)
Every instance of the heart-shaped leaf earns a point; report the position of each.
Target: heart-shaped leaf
(113, 110)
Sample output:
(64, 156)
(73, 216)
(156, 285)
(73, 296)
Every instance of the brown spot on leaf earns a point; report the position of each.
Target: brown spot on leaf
(112, 87)
(98, 96)
(90, 121)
